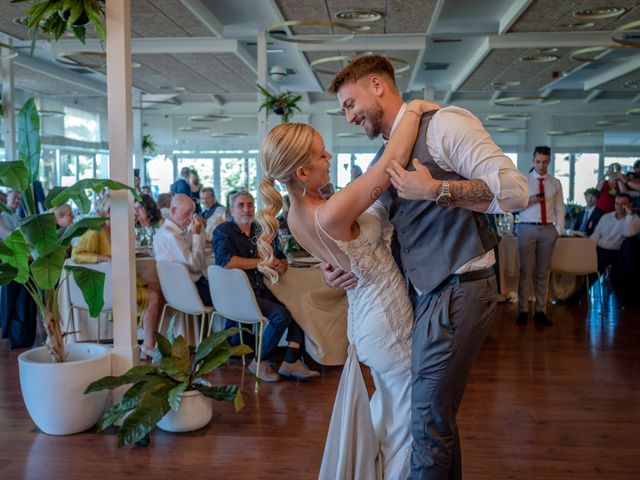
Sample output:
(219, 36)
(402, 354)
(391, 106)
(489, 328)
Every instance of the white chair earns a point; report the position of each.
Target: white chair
(233, 298)
(77, 300)
(575, 256)
(181, 294)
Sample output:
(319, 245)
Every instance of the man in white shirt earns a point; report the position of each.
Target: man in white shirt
(8, 222)
(540, 225)
(613, 228)
(588, 219)
(172, 243)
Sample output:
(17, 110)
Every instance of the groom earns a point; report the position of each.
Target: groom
(445, 244)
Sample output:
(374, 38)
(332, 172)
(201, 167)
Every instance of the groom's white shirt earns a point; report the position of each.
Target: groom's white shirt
(458, 142)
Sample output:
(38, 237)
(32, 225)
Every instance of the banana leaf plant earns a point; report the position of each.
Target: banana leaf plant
(33, 254)
(158, 388)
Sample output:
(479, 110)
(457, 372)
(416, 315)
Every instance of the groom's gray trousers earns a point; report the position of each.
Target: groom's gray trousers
(451, 322)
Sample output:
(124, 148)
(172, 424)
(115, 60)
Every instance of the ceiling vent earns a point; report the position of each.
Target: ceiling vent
(291, 71)
(429, 66)
(446, 40)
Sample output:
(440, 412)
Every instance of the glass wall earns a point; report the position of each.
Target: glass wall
(577, 172)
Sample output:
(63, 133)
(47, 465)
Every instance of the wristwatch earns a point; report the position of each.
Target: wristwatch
(444, 199)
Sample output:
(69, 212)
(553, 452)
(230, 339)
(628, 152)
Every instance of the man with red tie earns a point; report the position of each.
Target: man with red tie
(540, 225)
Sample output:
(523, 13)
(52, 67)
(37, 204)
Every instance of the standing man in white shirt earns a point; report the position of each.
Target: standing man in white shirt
(541, 223)
(172, 243)
(443, 243)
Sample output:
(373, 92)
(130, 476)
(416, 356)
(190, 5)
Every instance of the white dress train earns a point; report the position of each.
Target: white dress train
(371, 440)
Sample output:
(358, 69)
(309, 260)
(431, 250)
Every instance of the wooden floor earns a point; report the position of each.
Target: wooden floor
(542, 403)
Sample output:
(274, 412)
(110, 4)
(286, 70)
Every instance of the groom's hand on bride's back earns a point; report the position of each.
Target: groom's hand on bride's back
(337, 278)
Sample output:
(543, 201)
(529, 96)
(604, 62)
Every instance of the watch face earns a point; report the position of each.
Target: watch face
(444, 201)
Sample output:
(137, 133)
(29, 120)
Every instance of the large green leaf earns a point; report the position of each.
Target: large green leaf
(14, 175)
(65, 235)
(4, 250)
(180, 349)
(175, 395)
(133, 375)
(77, 191)
(19, 256)
(29, 138)
(211, 342)
(40, 232)
(164, 346)
(51, 194)
(7, 273)
(216, 358)
(91, 283)
(46, 269)
(227, 393)
(176, 368)
(143, 419)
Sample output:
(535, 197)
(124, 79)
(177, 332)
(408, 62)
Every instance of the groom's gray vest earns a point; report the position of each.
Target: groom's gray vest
(434, 242)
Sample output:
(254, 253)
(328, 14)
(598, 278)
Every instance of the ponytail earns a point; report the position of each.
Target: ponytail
(272, 203)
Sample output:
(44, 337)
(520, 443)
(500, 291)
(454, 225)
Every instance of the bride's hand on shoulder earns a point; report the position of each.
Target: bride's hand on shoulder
(422, 106)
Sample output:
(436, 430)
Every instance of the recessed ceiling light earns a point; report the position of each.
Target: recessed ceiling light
(579, 25)
(628, 34)
(338, 112)
(603, 123)
(526, 101)
(359, 16)
(399, 65)
(584, 133)
(504, 117)
(194, 129)
(539, 58)
(547, 51)
(555, 133)
(593, 54)
(210, 118)
(598, 13)
(172, 88)
(228, 134)
(509, 129)
(633, 111)
(505, 84)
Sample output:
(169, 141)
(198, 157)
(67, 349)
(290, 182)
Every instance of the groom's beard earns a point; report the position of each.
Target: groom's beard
(373, 122)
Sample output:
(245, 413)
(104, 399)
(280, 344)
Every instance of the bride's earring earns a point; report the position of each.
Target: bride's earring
(304, 192)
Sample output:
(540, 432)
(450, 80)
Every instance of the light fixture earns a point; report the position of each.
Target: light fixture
(399, 65)
(275, 31)
(525, 101)
(51, 113)
(507, 117)
(505, 84)
(633, 111)
(539, 58)
(359, 16)
(579, 25)
(172, 88)
(622, 35)
(350, 135)
(547, 51)
(194, 129)
(337, 112)
(556, 133)
(228, 134)
(277, 73)
(599, 13)
(604, 123)
(210, 118)
(11, 53)
(509, 129)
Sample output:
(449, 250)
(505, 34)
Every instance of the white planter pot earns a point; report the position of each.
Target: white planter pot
(195, 412)
(53, 392)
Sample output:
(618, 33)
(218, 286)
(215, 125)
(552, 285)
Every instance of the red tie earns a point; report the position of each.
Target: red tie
(543, 205)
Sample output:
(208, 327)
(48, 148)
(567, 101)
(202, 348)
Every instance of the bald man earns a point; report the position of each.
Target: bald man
(171, 244)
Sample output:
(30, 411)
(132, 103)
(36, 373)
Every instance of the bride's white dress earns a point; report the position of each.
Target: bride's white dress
(370, 440)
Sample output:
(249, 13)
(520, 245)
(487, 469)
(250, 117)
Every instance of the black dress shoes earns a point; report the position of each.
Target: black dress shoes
(540, 318)
(522, 318)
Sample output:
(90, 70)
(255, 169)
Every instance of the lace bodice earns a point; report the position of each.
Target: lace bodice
(380, 299)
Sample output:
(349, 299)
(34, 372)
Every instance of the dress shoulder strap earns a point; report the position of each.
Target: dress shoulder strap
(319, 229)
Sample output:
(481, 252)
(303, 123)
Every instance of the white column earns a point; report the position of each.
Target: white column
(262, 115)
(9, 123)
(138, 155)
(126, 352)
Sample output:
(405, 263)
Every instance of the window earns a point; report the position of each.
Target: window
(562, 162)
(160, 173)
(81, 125)
(586, 175)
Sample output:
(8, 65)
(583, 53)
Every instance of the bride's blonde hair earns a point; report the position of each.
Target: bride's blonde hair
(286, 147)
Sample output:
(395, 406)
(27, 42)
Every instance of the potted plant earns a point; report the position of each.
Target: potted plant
(282, 104)
(55, 17)
(33, 255)
(173, 393)
(148, 145)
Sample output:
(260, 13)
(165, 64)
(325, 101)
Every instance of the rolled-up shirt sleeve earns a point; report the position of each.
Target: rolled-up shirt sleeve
(458, 142)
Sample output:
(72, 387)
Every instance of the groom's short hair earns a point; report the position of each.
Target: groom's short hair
(361, 67)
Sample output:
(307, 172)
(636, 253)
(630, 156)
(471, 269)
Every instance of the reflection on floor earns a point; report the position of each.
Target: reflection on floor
(559, 402)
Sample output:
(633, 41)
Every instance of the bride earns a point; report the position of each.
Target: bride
(366, 439)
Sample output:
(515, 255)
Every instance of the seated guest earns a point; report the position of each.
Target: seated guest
(147, 213)
(10, 221)
(213, 213)
(170, 244)
(234, 246)
(587, 220)
(613, 228)
(95, 247)
(164, 203)
(64, 215)
(182, 184)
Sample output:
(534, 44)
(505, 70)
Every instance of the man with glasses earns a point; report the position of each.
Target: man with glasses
(541, 222)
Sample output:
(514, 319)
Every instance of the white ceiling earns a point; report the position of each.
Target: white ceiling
(455, 49)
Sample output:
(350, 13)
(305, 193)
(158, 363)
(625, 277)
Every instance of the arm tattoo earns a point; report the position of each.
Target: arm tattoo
(376, 192)
(471, 194)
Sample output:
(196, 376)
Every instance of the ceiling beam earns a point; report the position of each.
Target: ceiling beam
(512, 14)
(496, 95)
(551, 39)
(613, 72)
(447, 97)
(202, 13)
(162, 45)
(592, 96)
(376, 42)
(636, 99)
(471, 64)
